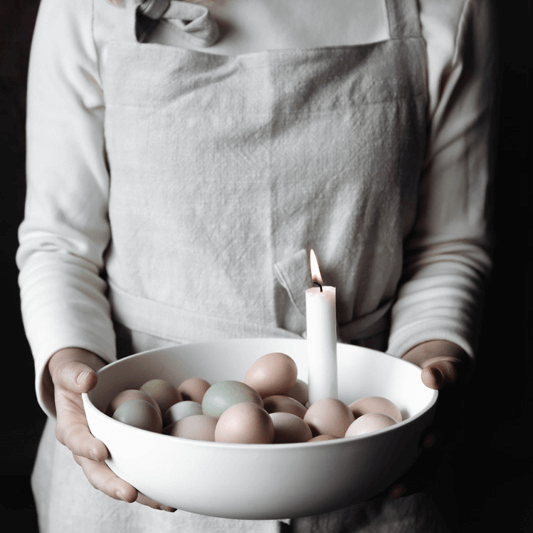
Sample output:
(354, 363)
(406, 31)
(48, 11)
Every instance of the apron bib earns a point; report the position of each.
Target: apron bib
(225, 170)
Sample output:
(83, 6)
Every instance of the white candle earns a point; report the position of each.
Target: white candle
(321, 337)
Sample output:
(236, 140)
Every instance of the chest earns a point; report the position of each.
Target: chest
(248, 26)
(247, 158)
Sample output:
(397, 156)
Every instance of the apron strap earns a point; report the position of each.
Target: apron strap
(290, 275)
(178, 325)
(404, 19)
(191, 25)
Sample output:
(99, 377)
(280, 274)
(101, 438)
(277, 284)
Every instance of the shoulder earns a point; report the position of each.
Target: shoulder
(62, 20)
(449, 22)
(67, 9)
(459, 35)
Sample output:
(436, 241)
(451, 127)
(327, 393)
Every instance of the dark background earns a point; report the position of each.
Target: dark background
(494, 462)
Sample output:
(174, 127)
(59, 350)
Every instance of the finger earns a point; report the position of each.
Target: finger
(101, 477)
(79, 440)
(74, 376)
(441, 372)
(144, 500)
(74, 369)
(72, 429)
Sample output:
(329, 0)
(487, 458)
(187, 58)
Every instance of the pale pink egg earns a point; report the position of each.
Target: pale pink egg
(193, 389)
(284, 404)
(271, 374)
(375, 404)
(300, 392)
(196, 427)
(245, 423)
(368, 423)
(329, 416)
(290, 428)
(320, 438)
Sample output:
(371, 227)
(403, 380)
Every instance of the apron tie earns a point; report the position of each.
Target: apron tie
(187, 22)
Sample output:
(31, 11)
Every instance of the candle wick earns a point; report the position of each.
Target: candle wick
(316, 283)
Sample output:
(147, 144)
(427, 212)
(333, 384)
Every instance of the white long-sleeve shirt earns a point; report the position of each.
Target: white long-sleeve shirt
(66, 231)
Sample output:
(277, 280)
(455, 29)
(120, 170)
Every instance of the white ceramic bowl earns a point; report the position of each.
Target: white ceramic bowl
(250, 481)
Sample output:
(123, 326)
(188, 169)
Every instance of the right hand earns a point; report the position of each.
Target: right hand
(73, 372)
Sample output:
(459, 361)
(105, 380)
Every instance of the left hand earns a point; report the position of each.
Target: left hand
(446, 367)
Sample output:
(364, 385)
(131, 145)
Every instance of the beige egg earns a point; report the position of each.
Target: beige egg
(283, 404)
(290, 428)
(196, 427)
(163, 392)
(375, 404)
(129, 394)
(193, 389)
(368, 423)
(245, 423)
(139, 414)
(320, 438)
(271, 374)
(329, 416)
(300, 391)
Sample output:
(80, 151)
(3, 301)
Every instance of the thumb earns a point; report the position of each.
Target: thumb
(74, 369)
(441, 372)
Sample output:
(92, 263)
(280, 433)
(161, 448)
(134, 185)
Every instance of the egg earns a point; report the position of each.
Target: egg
(375, 404)
(163, 392)
(320, 438)
(129, 394)
(140, 414)
(271, 374)
(283, 404)
(193, 389)
(290, 428)
(181, 410)
(195, 427)
(329, 416)
(300, 391)
(368, 423)
(222, 395)
(245, 423)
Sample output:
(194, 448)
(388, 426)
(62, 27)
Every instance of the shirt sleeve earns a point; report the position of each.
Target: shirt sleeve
(447, 256)
(65, 232)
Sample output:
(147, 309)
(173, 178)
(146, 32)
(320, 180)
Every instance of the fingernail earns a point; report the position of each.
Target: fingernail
(437, 376)
(82, 376)
(120, 496)
(166, 508)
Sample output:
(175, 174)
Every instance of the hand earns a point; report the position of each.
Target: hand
(73, 372)
(445, 367)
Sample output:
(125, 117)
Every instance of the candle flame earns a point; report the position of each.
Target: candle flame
(315, 271)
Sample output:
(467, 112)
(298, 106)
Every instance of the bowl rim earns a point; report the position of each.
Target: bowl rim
(88, 404)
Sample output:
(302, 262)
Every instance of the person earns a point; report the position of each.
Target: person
(182, 157)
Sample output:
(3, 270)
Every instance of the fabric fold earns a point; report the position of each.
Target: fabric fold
(188, 23)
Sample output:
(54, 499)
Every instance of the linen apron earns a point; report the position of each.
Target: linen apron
(224, 172)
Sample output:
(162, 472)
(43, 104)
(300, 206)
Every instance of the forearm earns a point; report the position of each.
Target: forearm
(65, 230)
(447, 255)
